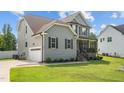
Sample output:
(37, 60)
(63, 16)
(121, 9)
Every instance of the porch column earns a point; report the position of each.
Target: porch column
(89, 43)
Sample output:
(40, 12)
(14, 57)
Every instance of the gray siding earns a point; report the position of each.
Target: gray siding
(61, 32)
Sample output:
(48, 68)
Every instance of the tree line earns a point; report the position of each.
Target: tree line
(7, 38)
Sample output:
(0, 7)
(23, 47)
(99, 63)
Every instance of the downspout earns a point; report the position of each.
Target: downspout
(42, 35)
(42, 48)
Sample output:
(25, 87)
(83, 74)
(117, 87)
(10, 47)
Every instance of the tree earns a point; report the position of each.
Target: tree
(8, 38)
(1, 41)
(92, 36)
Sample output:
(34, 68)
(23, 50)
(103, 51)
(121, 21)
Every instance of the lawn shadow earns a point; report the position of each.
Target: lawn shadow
(81, 64)
(68, 65)
(97, 62)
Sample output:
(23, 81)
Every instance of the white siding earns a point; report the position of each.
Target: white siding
(80, 20)
(117, 44)
(61, 32)
(23, 37)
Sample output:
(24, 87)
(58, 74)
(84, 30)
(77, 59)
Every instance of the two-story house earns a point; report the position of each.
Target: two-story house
(40, 38)
(111, 41)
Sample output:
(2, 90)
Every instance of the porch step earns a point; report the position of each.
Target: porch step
(82, 57)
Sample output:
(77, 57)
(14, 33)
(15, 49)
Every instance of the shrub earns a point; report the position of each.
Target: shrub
(48, 60)
(76, 59)
(61, 60)
(15, 56)
(66, 60)
(55, 60)
(71, 59)
(99, 58)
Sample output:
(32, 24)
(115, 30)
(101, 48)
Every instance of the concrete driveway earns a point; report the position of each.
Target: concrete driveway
(6, 65)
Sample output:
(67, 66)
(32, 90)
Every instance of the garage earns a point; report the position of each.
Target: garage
(35, 54)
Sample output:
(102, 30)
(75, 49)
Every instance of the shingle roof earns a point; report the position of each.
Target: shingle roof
(119, 28)
(39, 23)
(36, 22)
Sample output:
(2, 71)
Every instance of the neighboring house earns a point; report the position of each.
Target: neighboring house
(40, 38)
(111, 41)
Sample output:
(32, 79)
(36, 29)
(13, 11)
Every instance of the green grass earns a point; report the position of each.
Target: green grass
(95, 71)
(6, 59)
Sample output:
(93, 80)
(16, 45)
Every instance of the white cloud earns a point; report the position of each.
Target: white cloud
(113, 24)
(18, 12)
(103, 26)
(121, 14)
(114, 15)
(64, 14)
(88, 15)
(93, 30)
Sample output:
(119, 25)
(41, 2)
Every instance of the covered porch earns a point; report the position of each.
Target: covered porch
(86, 45)
(86, 49)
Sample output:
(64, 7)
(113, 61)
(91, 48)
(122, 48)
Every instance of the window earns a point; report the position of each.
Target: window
(71, 25)
(52, 42)
(101, 40)
(76, 28)
(84, 31)
(26, 29)
(80, 31)
(68, 43)
(26, 44)
(109, 39)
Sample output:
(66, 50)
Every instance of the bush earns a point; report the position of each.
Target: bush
(48, 60)
(66, 60)
(71, 59)
(15, 56)
(55, 60)
(76, 59)
(99, 58)
(61, 60)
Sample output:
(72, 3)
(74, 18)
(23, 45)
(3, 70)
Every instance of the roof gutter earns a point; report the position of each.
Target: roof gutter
(42, 51)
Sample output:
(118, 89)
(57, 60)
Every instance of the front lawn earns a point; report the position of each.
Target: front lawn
(106, 70)
(6, 59)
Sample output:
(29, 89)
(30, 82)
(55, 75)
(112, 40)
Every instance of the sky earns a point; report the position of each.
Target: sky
(97, 19)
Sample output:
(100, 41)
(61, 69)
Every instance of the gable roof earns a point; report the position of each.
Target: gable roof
(71, 18)
(36, 22)
(39, 23)
(119, 28)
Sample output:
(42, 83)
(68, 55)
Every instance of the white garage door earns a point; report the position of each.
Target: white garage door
(35, 54)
